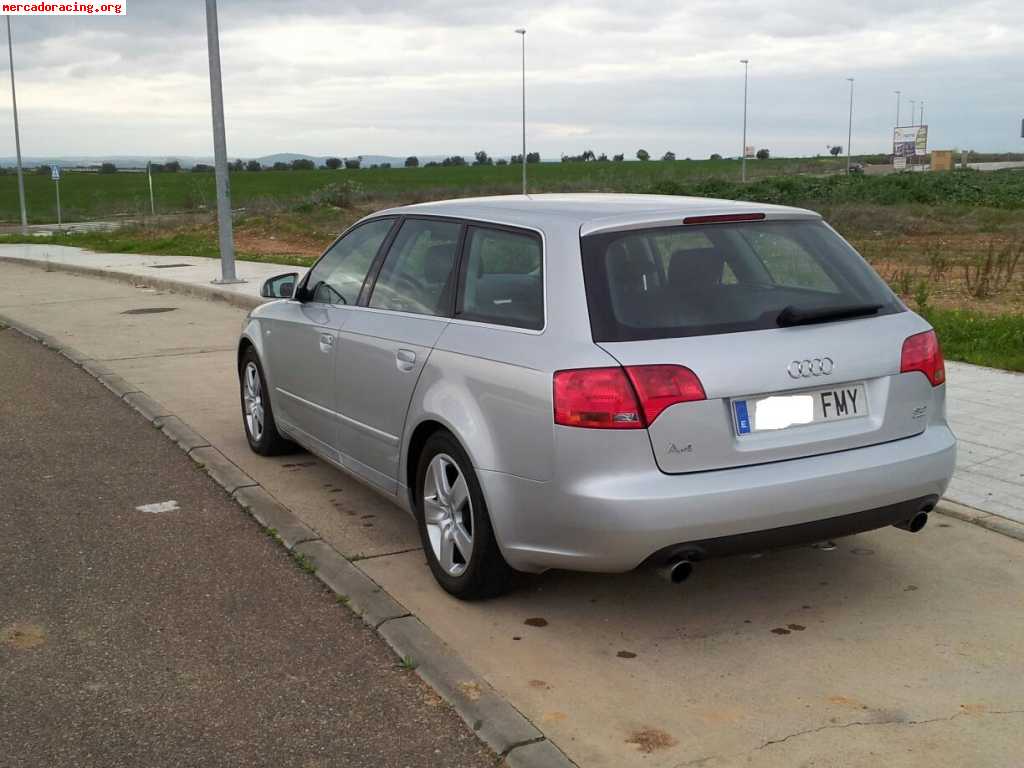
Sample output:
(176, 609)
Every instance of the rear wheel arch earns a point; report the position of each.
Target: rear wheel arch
(244, 345)
(417, 441)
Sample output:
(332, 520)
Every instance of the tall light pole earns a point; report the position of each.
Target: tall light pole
(897, 108)
(17, 133)
(849, 134)
(922, 112)
(913, 110)
(220, 151)
(743, 154)
(522, 34)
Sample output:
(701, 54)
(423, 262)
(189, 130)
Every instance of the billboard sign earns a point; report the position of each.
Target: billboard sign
(911, 140)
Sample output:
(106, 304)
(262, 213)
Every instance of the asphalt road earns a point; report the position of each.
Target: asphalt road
(174, 638)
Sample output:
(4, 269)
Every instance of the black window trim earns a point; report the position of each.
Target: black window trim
(300, 292)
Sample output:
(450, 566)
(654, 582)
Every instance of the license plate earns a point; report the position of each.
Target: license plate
(762, 414)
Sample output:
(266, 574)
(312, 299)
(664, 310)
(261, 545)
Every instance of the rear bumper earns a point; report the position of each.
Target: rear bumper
(614, 520)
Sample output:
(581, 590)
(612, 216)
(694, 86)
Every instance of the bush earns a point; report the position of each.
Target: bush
(342, 195)
(481, 158)
(668, 157)
(412, 162)
(202, 168)
(353, 163)
(334, 163)
(643, 155)
(172, 166)
(715, 156)
(108, 168)
(44, 170)
(762, 154)
(618, 158)
(303, 164)
(532, 157)
(253, 165)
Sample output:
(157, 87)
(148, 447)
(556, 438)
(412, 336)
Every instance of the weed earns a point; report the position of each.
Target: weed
(342, 600)
(921, 294)
(938, 262)
(994, 271)
(303, 562)
(901, 280)
(408, 663)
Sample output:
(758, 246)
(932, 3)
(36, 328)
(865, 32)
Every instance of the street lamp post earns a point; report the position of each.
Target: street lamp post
(743, 154)
(897, 108)
(922, 112)
(849, 134)
(17, 133)
(220, 151)
(522, 34)
(913, 109)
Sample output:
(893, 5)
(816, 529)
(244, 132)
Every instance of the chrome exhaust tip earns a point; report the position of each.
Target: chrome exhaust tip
(676, 571)
(914, 524)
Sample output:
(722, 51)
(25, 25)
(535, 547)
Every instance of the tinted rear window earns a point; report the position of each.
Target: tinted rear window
(720, 278)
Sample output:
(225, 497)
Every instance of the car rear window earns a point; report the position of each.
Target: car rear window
(721, 278)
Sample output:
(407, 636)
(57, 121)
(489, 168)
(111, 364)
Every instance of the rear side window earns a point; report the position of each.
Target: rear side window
(503, 280)
(418, 274)
(720, 278)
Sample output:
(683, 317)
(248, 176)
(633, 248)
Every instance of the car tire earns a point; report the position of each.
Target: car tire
(257, 413)
(456, 519)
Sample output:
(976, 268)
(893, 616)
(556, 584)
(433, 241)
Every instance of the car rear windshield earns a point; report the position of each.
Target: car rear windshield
(723, 278)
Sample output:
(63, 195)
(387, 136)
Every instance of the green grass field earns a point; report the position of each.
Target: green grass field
(87, 196)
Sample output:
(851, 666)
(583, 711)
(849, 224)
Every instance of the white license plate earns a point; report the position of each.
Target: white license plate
(761, 414)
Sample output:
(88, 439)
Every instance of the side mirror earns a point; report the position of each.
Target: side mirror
(280, 286)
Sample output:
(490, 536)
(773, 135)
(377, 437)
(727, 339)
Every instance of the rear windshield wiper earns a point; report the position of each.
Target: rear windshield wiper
(792, 315)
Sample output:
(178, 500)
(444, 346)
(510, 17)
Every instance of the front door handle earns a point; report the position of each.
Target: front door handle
(405, 359)
(326, 342)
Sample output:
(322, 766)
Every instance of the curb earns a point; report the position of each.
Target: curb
(988, 520)
(162, 283)
(502, 727)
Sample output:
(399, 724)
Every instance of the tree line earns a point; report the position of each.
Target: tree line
(480, 158)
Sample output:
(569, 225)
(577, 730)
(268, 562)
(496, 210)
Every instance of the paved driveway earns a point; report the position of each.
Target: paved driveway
(893, 649)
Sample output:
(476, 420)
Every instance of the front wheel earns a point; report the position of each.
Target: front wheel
(257, 415)
(454, 525)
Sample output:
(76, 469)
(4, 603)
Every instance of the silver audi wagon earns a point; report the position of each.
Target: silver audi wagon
(600, 382)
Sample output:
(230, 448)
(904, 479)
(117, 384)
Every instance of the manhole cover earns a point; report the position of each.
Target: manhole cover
(168, 266)
(148, 310)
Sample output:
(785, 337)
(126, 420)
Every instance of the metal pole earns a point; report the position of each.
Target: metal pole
(849, 135)
(913, 109)
(897, 109)
(57, 184)
(743, 154)
(922, 111)
(152, 202)
(220, 152)
(17, 133)
(522, 34)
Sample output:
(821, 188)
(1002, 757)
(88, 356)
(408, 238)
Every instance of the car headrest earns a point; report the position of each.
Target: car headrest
(695, 269)
(628, 271)
(438, 262)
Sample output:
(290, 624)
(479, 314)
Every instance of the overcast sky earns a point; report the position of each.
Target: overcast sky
(423, 77)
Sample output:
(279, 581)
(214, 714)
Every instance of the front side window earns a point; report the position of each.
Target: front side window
(722, 278)
(418, 274)
(338, 277)
(504, 282)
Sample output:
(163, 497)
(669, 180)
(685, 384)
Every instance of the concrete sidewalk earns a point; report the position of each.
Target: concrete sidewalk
(986, 406)
(907, 647)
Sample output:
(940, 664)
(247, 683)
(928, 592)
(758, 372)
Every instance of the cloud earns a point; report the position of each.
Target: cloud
(400, 77)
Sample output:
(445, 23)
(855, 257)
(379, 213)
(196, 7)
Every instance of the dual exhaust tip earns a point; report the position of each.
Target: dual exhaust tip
(679, 569)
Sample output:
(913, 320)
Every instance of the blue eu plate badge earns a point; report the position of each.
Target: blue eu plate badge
(742, 418)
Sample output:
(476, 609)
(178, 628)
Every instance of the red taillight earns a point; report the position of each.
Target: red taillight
(599, 398)
(659, 386)
(621, 398)
(921, 352)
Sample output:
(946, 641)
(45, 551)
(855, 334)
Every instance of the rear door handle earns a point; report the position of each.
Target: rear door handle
(405, 359)
(326, 342)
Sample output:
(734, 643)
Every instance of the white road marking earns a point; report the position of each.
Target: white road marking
(163, 506)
